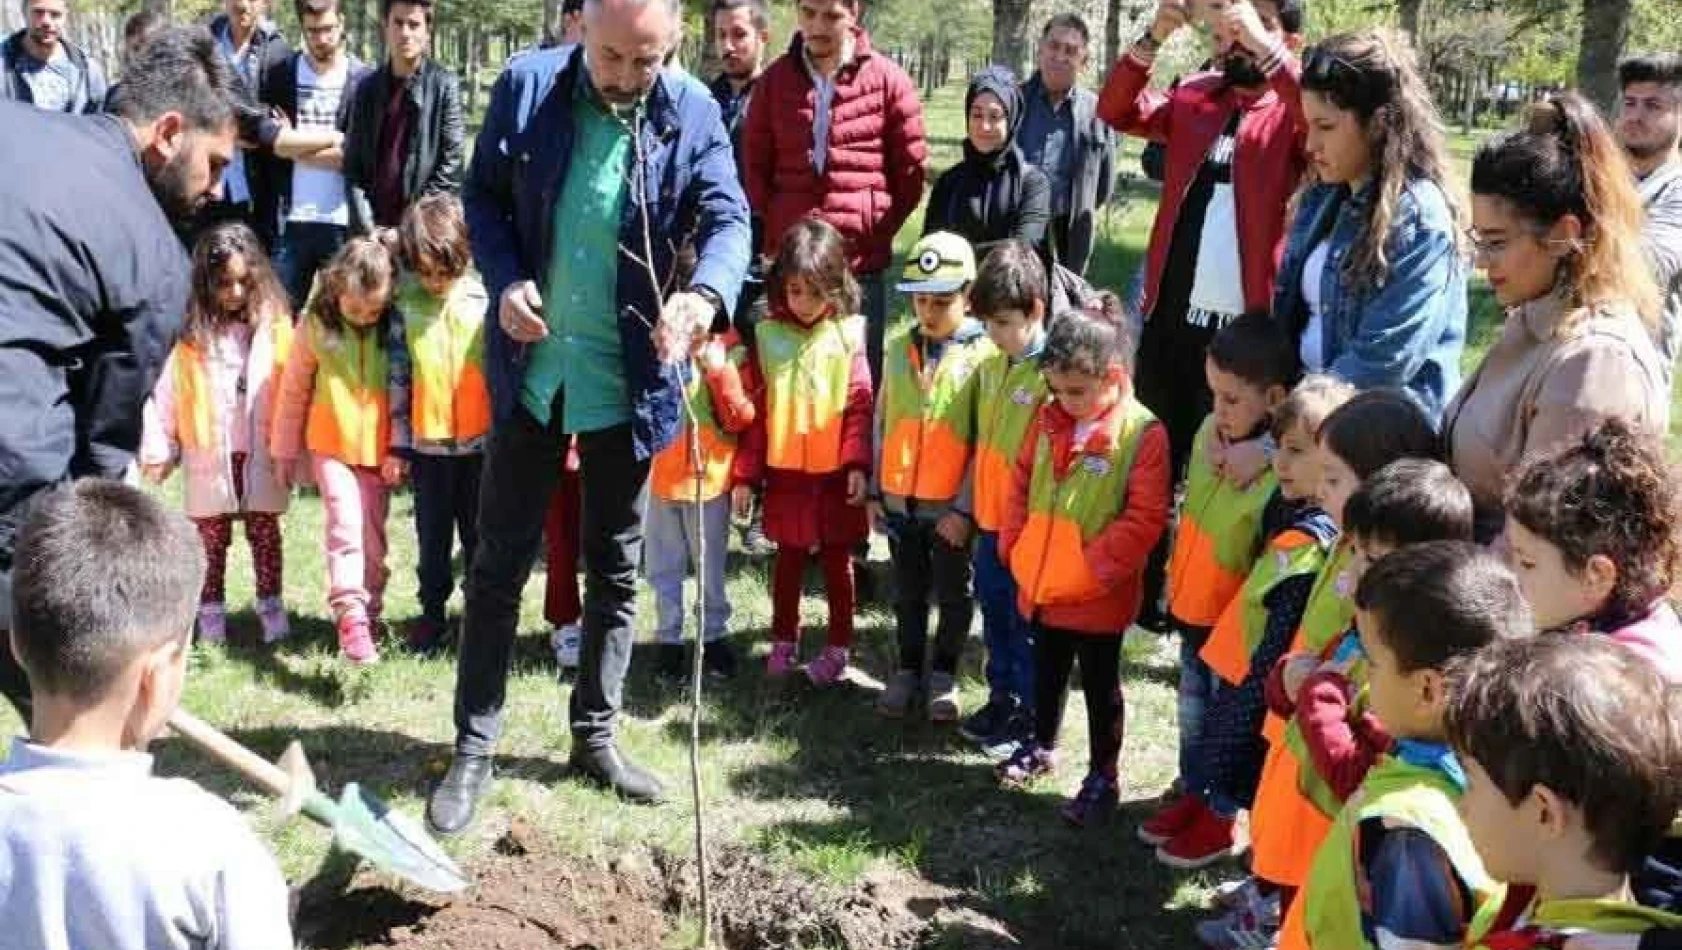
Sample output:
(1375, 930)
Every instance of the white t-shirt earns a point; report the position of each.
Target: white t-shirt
(1312, 348)
(1218, 283)
(318, 194)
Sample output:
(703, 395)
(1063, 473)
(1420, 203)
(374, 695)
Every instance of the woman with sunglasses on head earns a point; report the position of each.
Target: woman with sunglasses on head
(1373, 282)
(1557, 227)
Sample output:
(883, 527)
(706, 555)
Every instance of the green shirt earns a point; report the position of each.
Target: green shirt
(581, 354)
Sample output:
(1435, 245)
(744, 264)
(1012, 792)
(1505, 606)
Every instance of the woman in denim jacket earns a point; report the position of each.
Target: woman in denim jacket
(1373, 282)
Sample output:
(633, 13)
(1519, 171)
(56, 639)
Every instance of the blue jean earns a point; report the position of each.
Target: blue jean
(1197, 690)
(304, 248)
(671, 547)
(446, 506)
(1009, 637)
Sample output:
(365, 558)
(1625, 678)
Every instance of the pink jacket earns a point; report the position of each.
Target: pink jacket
(208, 473)
(1658, 638)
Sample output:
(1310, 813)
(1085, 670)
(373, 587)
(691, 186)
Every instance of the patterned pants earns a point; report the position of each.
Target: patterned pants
(262, 532)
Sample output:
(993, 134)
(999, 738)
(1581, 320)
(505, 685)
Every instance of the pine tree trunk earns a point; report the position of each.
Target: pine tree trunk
(1010, 33)
(1605, 31)
(1408, 14)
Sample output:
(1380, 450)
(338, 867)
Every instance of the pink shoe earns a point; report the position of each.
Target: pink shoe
(272, 614)
(828, 667)
(213, 623)
(356, 640)
(782, 659)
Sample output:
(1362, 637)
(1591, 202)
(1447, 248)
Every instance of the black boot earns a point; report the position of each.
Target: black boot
(608, 769)
(453, 801)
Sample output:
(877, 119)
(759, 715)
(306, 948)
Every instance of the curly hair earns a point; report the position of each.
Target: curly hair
(264, 297)
(1089, 340)
(1612, 493)
(1374, 74)
(1566, 162)
(363, 265)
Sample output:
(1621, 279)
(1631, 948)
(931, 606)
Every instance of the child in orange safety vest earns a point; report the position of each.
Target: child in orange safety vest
(210, 412)
(1089, 502)
(443, 398)
(674, 529)
(809, 445)
(335, 402)
(921, 494)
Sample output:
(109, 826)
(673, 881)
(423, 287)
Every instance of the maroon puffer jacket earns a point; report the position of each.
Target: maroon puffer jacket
(873, 178)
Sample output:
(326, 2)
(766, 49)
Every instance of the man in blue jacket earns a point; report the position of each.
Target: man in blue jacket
(596, 164)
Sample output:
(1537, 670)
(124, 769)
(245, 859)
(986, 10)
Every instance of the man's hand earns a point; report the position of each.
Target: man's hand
(520, 313)
(1240, 23)
(685, 317)
(158, 472)
(741, 501)
(857, 487)
(1170, 16)
(953, 528)
(393, 470)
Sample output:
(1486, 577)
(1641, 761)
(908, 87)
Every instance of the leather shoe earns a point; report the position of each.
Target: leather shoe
(607, 768)
(454, 799)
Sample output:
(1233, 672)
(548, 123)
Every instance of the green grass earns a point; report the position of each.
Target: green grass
(815, 779)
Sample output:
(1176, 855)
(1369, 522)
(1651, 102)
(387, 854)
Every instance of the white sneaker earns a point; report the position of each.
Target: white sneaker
(566, 641)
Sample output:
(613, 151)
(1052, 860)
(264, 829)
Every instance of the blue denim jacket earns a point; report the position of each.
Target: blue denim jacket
(519, 165)
(1407, 331)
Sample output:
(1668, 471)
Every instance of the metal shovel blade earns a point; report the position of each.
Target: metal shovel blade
(369, 828)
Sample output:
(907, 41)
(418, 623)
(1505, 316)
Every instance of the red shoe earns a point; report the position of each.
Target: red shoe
(1208, 839)
(1176, 817)
(356, 640)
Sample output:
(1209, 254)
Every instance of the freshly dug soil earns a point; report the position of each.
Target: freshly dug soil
(525, 899)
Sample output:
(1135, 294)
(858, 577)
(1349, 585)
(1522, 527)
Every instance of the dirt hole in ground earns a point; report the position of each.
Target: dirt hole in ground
(525, 898)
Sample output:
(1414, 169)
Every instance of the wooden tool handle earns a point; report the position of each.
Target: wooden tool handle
(237, 757)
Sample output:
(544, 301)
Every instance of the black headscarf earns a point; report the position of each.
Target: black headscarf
(1001, 82)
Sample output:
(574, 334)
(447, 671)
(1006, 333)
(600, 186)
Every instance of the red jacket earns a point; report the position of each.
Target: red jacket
(873, 176)
(1116, 554)
(802, 509)
(1267, 167)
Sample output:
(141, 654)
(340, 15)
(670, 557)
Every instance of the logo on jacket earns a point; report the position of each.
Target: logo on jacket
(1096, 465)
(1022, 397)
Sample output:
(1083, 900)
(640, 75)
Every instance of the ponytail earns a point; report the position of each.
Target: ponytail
(1090, 340)
(363, 265)
(1566, 162)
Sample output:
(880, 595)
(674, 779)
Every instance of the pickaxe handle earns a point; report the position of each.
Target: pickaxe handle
(292, 784)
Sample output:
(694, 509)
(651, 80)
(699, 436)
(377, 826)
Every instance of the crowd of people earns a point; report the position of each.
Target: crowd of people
(1424, 632)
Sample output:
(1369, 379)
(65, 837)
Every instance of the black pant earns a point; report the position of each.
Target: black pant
(304, 248)
(925, 564)
(1170, 382)
(1055, 652)
(446, 505)
(522, 465)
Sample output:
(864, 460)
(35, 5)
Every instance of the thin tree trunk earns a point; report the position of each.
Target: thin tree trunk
(551, 22)
(1408, 14)
(1010, 33)
(1605, 31)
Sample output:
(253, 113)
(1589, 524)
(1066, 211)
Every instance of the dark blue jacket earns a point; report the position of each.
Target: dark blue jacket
(519, 166)
(93, 283)
(1408, 330)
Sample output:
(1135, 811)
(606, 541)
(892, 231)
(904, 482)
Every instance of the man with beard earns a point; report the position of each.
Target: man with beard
(1061, 136)
(742, 30)
(1235, 154)
(1650, 128)
(406, 133)
(596, 163)
(93, 278)
(39, 66)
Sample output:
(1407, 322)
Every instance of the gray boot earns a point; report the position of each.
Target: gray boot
(943, 697)
(897, 698)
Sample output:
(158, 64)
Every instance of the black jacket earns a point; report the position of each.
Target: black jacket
(991, 198)
(434, 160)
(280, 86)
(264, 172)
(93, 283)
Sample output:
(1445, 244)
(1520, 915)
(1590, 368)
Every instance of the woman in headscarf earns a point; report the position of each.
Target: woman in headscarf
(992, 195)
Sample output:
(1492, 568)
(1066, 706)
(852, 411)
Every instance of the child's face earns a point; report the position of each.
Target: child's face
(804, 300)
(1557, 594)
(1013, 331)
(434, 277)
(233, 285)
(364, 309)
(1409, 704)
(1337, 482)
(938, 315)
(1240, 406)
(1506, 835)
(1297, 464)
(1082, 396)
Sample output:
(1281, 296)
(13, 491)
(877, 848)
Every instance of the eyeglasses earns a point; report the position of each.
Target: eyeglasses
(1487, 248)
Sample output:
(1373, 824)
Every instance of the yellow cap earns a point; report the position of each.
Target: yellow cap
(941, 263)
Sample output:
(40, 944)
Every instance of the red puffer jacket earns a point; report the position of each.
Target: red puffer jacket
(873, 176)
